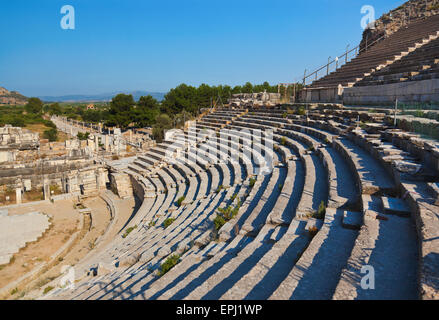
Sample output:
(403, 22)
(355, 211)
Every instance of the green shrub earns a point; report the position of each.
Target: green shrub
(301, 111)
(171, 262)
(128, 231)
(226, 214)
(283, 141)
(235, 211)
(168, 222)
(83, 136)
(47, 289)
(252, 182)
(218, 190)
(320, 214)
(419, 114)
(233, 197)
(219, 221)
(180, 201)
(49, 123)
(17, 122)
(51, 134)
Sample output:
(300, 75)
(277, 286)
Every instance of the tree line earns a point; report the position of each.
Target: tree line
(179, 104)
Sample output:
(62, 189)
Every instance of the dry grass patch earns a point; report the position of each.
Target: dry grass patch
(40, 128)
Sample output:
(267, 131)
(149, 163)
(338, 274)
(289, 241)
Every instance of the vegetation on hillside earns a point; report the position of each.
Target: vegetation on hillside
(179, 105)
(29, 115)
(83, 136)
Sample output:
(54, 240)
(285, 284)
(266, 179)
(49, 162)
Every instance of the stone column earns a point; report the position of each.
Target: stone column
(96, 143)
(18, 195)
(46, 190)
(100, 179)
(106, 143)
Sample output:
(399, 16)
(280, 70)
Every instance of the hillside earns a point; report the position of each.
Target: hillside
(11, 97)
(392, 21)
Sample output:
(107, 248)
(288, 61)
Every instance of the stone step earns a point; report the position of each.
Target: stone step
(352, 220)
(395, 206)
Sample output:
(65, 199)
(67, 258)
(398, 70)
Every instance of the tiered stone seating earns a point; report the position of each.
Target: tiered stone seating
(145, 243)
(381, 233)
(188, 213)
(273, 267)
(400, 43)
(276, 247)
(401, 227)
(264, 232)
(420, 64)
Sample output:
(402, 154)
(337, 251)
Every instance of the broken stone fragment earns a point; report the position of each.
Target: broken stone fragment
(407, 167)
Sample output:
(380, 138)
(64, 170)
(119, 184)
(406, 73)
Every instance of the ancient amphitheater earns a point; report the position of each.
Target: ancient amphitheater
(281, 202)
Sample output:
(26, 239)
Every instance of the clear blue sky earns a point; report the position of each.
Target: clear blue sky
(156, 45)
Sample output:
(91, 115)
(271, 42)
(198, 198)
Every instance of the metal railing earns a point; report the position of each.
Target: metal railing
(338, 61)
(406, 20)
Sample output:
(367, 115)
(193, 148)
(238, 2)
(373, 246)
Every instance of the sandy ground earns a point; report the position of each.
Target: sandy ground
(94, 237)
(94, 227)
(64, 223)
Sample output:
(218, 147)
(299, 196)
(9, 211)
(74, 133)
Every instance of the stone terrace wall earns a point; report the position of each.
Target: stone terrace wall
(55, 172)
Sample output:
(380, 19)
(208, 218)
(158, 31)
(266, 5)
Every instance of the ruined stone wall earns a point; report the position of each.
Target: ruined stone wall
(17, 138)
(255, 99)
(421, 149)
(53, 170)
(121, 184)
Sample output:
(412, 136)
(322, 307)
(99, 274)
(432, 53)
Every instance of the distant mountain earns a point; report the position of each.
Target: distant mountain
(11, 97)
(100, 97)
